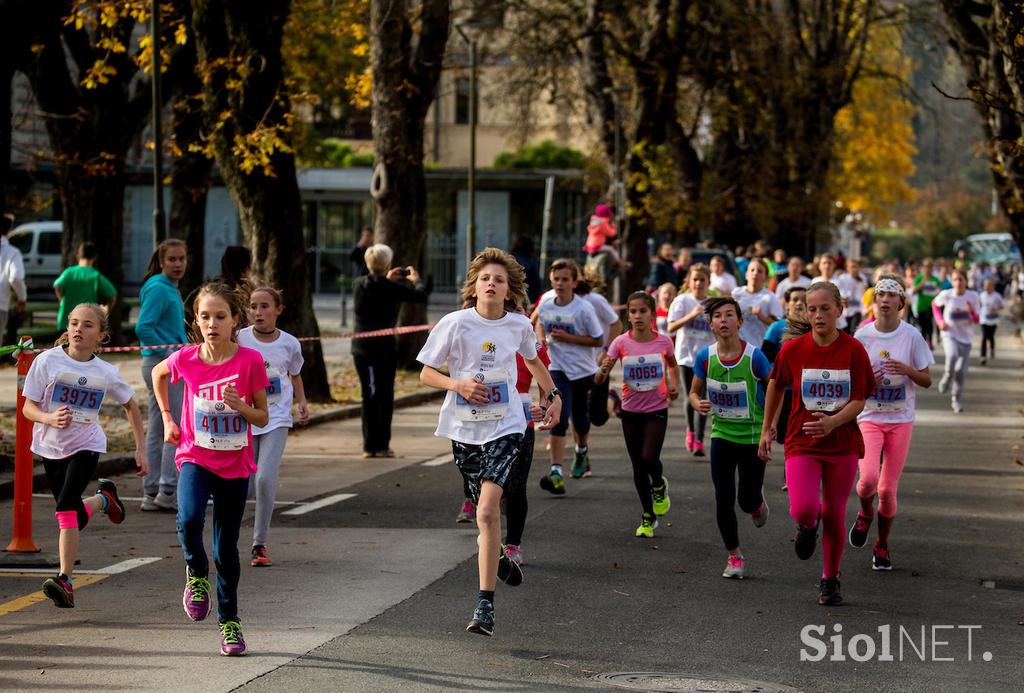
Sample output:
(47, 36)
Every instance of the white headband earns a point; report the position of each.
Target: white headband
(890, 286)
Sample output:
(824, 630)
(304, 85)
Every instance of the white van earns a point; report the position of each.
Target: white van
(40, 246)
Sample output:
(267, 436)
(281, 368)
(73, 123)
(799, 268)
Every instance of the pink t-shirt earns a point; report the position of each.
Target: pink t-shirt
(212, 434)
(643, 372)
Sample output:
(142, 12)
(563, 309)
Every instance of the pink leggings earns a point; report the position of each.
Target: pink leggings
(833, 476)
(885, 453)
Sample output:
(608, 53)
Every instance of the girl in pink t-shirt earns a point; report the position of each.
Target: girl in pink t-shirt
(225, 394)
(646, 359)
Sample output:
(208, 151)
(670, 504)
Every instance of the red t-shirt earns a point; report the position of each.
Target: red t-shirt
(524, 378)
(823, 378)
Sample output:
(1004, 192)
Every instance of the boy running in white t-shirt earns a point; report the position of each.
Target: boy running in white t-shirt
(482, 414)
(991, 307)
(569, 327)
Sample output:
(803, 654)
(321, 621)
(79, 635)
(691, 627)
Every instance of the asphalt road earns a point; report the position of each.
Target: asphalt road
(372, 593)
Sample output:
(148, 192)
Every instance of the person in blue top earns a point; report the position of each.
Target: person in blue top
(795, 303)
(161, 321)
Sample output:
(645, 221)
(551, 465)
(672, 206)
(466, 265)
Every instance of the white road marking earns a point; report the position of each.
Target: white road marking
(304, 508)
(122, 567)
(439, 461)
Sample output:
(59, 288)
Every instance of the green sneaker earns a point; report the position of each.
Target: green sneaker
(647, 524)
(553, 483)
(580, 465)
(661, 500)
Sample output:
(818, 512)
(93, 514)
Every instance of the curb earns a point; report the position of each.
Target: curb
(111, 464)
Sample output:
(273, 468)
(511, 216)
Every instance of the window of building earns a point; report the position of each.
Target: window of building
(462, 101)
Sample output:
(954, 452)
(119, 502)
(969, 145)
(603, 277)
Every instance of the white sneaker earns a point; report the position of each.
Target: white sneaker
(957, 407)
(944, 383)
(760, 517)
(735, 568)
(165, 501)
(148, 504)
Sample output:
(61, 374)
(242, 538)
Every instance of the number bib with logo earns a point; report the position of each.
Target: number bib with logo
(81, 394)
(525, 397)
(824, 389)
(890, 395)
(497, 402)
(642, 373)
(218, 426)
(728, 400)
(274, 388)
(552, 320)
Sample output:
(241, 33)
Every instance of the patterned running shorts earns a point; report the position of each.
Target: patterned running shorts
(493, 461)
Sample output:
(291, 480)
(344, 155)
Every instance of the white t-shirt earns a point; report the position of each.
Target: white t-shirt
(472, 346)
(577, 317)
(56, 380)
(694, 335)
(841, 322)
(282, 358)
(991, 305)
(894, 399)
(852, 288)
(780, 290)
(724, 282)
(956, 313)
(752, 330)
(606, 315)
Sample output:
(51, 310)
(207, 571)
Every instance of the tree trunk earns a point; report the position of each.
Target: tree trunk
(407, 48)
(6, 86)
(247, 102)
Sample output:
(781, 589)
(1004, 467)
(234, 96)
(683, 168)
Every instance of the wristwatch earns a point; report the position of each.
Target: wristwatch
(552, 393)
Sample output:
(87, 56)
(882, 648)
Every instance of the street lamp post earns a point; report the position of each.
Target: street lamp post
(159, 224)
(471, 223)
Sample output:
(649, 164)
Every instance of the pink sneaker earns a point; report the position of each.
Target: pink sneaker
(514, 553)
(698, 448)
(734, 568)
(689, 441)
(467, 513)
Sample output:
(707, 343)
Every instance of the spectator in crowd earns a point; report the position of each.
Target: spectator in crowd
(683, 262)
(357, 256)
(12, 274)
(161, 321)
(663, 269)
(82, 283)
(524, 251)
(376, 299)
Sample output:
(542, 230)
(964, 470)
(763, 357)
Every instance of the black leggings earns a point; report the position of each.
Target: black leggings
(927, 324)
(575, 403)
(515, 491)
(68, 478)
(645, 434)
(692, 413)
(988, 338)
(726, 459)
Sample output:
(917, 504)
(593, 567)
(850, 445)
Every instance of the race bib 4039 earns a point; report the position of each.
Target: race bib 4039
(82, 394)
(824, 389)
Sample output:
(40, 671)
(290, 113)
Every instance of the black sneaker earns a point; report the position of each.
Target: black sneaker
(553, 483)
(859, 531)
(59, 590)
(829, 594)
(115, 508)
(805, 541)
(483, 618)
(880, 558)
(509, 571)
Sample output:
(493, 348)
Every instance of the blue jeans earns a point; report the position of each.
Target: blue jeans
(195, 487)
(163, 471)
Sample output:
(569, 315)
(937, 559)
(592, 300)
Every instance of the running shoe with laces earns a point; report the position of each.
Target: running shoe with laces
(509, 571)
(660, 495)
(580, 464)
(260, 557)
(115, 508)
(166, 501)
(760, 516)
(648, 523)
(196, 598)
(553, 483)
(880, 557)
(60, 591)
(859, 531)
(148, 504)
(514, 553)
(232, 644)
(735, 568)
(698, 448)
(805, 541)
(467, 513)
(829, 594)
(689, 441)
(483, 618)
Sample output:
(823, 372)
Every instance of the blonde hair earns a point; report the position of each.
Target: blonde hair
(516, 278)
(798, 327)
(274, 294)
(100, 313)
(697, 268)
(675, 289)
(223, 292)
(378, 258)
